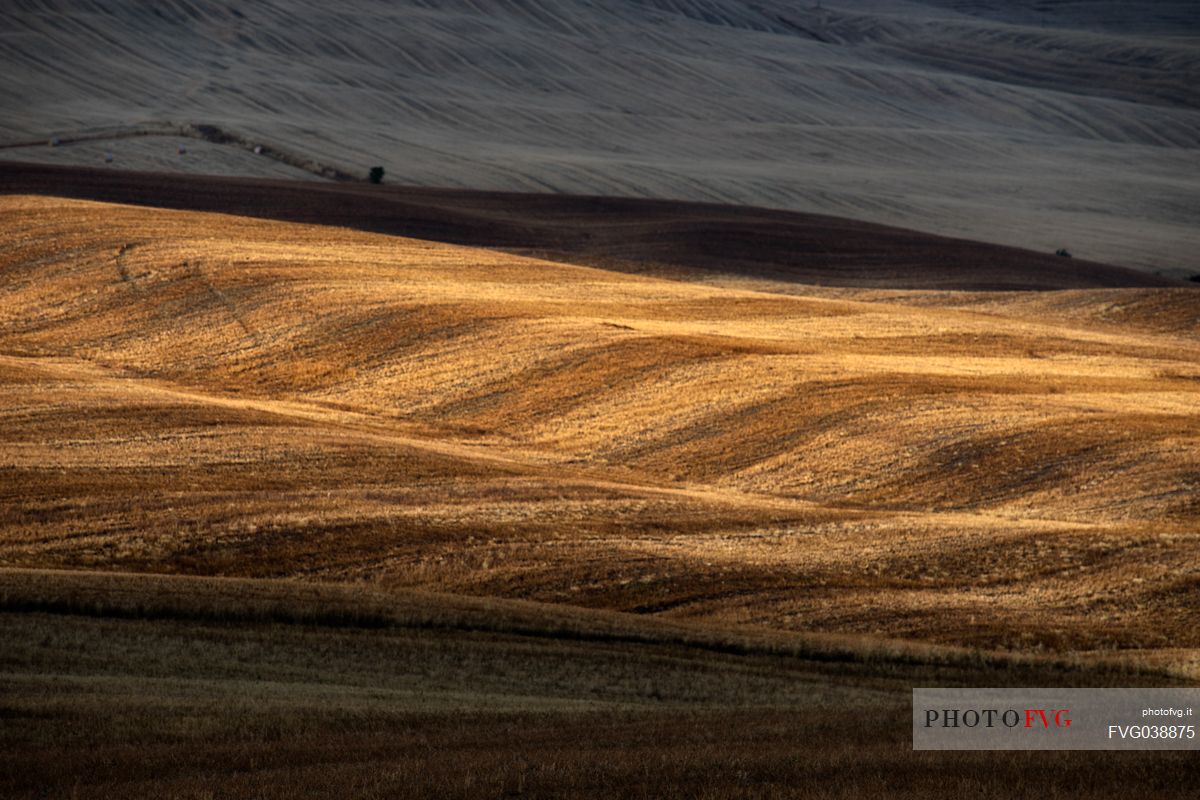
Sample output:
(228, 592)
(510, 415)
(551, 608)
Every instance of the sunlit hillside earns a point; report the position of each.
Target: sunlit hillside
(215, 395)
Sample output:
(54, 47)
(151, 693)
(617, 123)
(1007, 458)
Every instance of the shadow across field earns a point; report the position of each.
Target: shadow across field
(689, 240)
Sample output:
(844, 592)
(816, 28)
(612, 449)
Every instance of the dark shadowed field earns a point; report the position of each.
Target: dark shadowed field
(690, 241)
(128, 686)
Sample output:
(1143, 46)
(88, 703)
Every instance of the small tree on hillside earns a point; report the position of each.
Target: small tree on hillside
(375, 175)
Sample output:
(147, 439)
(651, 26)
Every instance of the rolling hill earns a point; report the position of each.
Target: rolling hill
(198, 393)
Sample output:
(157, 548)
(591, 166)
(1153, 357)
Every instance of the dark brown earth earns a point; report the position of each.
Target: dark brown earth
(625, 233)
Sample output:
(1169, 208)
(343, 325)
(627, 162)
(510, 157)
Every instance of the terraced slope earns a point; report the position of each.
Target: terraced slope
(1041, 125)
(207, 394)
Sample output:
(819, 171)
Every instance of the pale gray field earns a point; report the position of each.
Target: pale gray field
(1044, 125)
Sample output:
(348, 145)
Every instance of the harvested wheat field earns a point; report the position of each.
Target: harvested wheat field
(214, 395)
(275, 492)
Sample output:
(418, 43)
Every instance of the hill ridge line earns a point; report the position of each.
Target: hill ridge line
(626, 234)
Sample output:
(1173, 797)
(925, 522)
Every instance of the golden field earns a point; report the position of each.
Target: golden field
(295, 510)
(203, 394)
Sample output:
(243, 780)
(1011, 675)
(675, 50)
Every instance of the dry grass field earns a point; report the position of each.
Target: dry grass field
(204, 394)
(290, 509)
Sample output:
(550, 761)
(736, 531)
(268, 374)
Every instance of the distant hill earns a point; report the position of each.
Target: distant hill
(1041, 125)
